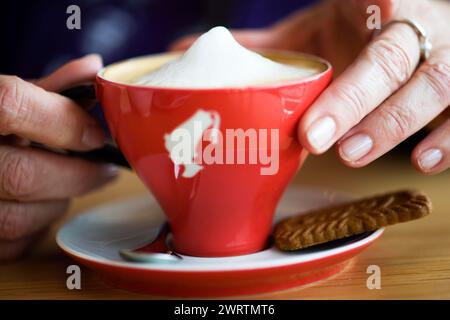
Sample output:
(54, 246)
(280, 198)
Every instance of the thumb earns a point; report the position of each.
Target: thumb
(252, 38)
(72, 73)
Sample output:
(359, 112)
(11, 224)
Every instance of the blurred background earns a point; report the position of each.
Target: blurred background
(35, 39)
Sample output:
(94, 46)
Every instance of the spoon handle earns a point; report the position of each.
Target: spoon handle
(80, 93)
(155, 251)
(106, 154)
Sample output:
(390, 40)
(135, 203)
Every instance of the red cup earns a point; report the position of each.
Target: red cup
(223, 209)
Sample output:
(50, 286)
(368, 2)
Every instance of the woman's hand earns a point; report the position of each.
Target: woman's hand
(36, 186)
(381, 95)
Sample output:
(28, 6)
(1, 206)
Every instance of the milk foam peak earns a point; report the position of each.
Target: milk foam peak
(217, 60)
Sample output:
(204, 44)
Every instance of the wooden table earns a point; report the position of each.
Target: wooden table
(414, 258)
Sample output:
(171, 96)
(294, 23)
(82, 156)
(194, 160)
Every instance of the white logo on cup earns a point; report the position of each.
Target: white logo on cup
(184, 145)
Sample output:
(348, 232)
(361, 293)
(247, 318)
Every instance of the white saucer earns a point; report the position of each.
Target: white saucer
(96, 237)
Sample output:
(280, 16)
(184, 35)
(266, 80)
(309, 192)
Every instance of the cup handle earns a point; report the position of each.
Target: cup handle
(108, 153)
(81, 92)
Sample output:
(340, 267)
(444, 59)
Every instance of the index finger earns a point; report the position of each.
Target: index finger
(383, 67)
(35, 114)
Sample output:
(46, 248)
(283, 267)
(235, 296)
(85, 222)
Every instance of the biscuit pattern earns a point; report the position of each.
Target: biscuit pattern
(368, 214)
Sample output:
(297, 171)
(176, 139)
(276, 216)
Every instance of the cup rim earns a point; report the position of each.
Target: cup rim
(258, 87)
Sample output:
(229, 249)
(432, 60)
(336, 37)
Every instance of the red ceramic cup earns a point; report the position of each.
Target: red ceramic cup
(222, 209)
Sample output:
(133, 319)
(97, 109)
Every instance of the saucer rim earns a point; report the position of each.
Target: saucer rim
(325, 254)
(371, 237)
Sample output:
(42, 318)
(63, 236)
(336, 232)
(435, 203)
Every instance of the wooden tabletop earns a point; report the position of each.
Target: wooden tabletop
(414, 257)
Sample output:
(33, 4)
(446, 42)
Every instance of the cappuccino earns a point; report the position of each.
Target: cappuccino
(217, 60)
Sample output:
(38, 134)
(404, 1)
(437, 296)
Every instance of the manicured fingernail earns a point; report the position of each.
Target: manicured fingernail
(110, 171)
(93, 137)
(321, 133)
(430, 158)
(355, 147)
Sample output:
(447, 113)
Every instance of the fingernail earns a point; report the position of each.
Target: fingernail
(355, 147)
(110, 171)
(430, 158)
(93, 137)
(321, 133)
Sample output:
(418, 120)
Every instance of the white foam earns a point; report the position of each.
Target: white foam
(217, 60)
